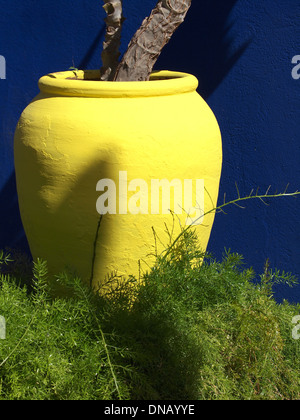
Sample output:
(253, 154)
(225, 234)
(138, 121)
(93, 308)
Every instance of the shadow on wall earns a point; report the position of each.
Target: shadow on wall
(203, 42)
(203, 46)
(11, 229)
(84, 64)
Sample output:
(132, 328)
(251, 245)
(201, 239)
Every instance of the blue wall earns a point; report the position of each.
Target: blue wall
(240, 50)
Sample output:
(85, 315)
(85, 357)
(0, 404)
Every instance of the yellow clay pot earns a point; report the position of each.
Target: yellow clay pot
(99, 166)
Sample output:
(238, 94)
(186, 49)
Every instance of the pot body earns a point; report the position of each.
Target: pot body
(101, 166)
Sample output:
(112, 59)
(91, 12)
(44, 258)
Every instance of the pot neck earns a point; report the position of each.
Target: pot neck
(86, 83)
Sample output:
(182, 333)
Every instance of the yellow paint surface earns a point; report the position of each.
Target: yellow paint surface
(77, 132)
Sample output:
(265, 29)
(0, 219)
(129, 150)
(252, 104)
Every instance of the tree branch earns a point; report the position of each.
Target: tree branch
(147, 43)
(110, 54)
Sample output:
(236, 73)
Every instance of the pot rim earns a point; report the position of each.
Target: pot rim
(161, 83)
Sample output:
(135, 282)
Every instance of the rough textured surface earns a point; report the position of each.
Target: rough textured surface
(148, 42)
(241, 52)
(110, 54)
(69, 150)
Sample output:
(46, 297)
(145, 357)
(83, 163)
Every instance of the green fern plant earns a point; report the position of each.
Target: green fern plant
(193, 328)
(54, 349)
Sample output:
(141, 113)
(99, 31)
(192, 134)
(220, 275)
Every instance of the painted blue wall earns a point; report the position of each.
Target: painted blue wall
(240, 50)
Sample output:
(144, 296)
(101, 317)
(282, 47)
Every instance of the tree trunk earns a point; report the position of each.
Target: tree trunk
(147, 43)
(110, 54)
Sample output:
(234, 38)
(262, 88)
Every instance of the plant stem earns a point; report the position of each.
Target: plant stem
(147, 43)
(236, 202)
(110, 54)
(94, 250)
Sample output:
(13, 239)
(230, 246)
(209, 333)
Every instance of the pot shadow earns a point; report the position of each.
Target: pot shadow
(203, 46)
(73, 229)
(77, 216)
(81, 198)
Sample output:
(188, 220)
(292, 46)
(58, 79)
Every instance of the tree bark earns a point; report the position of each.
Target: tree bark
(147, 43)
(110, 54)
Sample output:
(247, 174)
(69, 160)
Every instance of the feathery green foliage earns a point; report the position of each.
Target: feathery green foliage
(194, 329)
